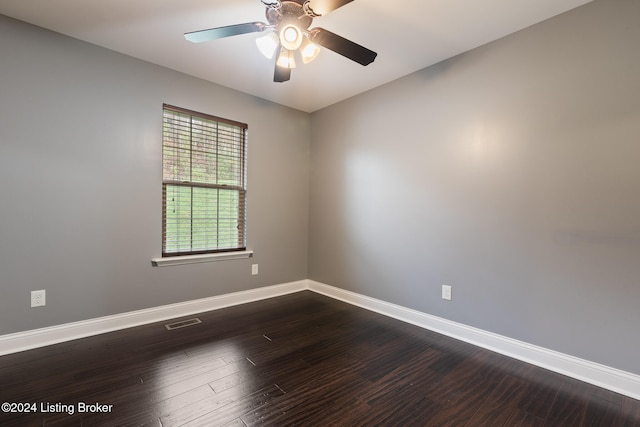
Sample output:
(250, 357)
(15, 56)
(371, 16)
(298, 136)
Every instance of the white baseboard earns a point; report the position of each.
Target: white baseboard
(602, 376)
(594, 373)
(28, 340)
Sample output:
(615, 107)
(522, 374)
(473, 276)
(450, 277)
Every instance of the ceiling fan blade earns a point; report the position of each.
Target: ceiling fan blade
(322, 7)
(282, 74)
(228, 31)
(344, 47)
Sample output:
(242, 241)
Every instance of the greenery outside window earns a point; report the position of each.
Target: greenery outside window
(203, 183)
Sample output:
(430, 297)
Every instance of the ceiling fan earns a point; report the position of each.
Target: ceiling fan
(290, 21)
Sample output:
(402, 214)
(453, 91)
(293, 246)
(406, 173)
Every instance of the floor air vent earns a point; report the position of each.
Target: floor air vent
(182, 324)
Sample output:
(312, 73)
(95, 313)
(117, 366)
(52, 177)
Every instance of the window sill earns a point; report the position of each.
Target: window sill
(193, 259)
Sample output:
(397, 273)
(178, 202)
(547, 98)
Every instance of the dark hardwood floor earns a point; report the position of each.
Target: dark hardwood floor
(301, 359)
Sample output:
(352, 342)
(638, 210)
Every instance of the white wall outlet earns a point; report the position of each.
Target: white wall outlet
(446, 292)
(38, 298)
(254, 269)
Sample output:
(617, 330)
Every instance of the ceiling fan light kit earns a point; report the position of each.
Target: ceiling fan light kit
(291, 37)
(308, 51)
(290, 21)
(268, 44)
(286, 59)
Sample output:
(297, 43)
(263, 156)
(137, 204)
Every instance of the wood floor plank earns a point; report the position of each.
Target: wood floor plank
(601, 412)
(300, 359)
(630, 412)
(411, 412)
(191, 411)
(136, 412)
(414, 379)
(539, 400)
(569, 407)
(235, 423)
(501, 402)
(233, 412)
(310, 404)
(524, 419)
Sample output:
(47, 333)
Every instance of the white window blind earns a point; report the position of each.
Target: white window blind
(203, 183)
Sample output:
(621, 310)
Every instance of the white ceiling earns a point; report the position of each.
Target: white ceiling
(408, 35)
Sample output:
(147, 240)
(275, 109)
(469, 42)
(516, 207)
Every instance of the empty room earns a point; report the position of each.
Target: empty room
(319, 213)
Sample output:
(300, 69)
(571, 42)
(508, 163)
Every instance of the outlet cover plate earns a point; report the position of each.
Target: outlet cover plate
(38, 298)
(446, 292)
(254, 269)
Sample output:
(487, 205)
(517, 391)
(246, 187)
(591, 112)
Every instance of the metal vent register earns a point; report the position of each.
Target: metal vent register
(182, 324)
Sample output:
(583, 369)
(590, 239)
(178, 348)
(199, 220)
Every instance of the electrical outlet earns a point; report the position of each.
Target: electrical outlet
(446, 292)
(254, 269)
(38, 298)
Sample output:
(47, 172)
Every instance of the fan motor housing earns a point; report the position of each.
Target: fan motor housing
(291, 12)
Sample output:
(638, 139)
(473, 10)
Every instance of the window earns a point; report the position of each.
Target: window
(203, 183)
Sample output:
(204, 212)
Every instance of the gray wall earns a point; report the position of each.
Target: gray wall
(511, 173)
(81, 194)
